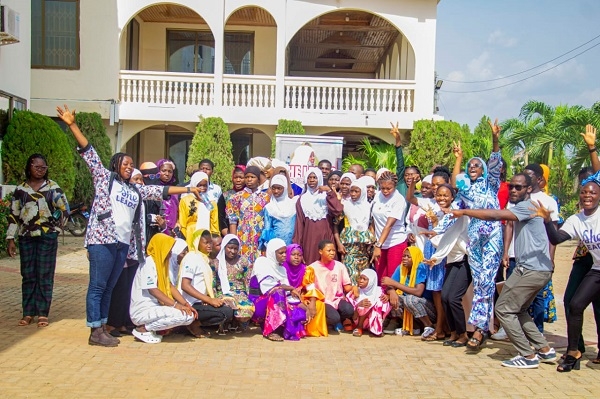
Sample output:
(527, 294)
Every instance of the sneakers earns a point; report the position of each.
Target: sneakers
(548, 357)
(520, 362)
(428, 332)
(500, 335)
(391, 327)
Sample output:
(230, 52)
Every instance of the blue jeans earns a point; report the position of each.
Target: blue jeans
(106, 264)
(538, 305)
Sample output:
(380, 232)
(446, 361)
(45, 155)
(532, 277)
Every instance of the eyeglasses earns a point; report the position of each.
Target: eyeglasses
(517, 187)
(474, 165)
(38, 167)
(152, 177)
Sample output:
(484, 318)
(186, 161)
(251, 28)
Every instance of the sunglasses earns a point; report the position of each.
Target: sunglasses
(42, 168)
(474, 165)
(152, 177)
(517, 187)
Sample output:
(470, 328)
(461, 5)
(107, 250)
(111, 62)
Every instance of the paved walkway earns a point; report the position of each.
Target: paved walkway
(56, 362)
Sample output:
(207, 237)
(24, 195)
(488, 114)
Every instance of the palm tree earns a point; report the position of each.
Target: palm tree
(574, 122)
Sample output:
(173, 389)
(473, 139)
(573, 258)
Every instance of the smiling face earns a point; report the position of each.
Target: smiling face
(411, 174)
(370, 192)
(166, 173)
(325, 168)
(277, 190)
(295, 257)
(474, 169)
(363, 281)
(589, 196)
(126, 168)
(203, 186)
(443, 196)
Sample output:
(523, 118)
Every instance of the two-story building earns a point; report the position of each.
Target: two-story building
(152, 68)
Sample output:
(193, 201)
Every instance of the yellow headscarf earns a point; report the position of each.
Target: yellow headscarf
(417, 257)
(159, 249)
(208, 274)
(546, 173)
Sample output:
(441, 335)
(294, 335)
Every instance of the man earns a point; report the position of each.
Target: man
(357, 170)
(325, 167)
(214, 190)
(532, 272)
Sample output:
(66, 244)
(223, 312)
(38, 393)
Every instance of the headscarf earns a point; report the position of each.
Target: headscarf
(267, 266)
(595, 178)
(367, 181)
(336, 173)
(276, 163)
(314, 203)
(295, 274)
(159, 165)
(358, 212)
(463, 180)
(207, 272)
(301, 155)
(371, 291)
(196, 178)
(417, 258)
(253, 170)
(238, 167)
(178, 248)
(222, 271)
(427, 179)
(284, 206)
(546, 171)
(380, 172)
(348, 175)
(158, 249)
(261, 163)
(135, 173)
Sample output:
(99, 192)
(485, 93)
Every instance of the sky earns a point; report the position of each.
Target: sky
(489, 39)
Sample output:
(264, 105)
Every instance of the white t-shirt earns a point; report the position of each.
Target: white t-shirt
(123, 200)
(547, 201)
(586, 229)
(193, 266)
(383, 208)
(145, 278)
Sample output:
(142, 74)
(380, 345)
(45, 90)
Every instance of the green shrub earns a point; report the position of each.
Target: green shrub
(92, 127)
(286, 126)
(30, 133)
(4, 212)
(212, 141)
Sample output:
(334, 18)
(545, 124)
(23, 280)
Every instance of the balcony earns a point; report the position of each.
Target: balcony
(252, 99)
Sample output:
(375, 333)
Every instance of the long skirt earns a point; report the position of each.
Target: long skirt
(275, 310)
(243, 308)
(377, 312)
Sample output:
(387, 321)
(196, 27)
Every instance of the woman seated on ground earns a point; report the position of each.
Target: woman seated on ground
(302, 277)
(277, 304)
(233, 275)
(156, 304)
(196, 282)
(371, 304)
(333, 280)
(408, 296)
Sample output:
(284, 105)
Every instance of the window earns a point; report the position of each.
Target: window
(194, 52)
(55, 34)
(9, 103)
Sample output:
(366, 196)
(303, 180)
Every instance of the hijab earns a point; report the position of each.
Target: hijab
(196, 178)
(284, 206)
(463, 180)
(222, 271)
(417, 258)
(295, 274)
(546, 174)
(158, 249)
(358, 212)
(371, 291)
(367, 181)
(301, 155)
(159, 165)
(348, 175)
(267, 266)
(261, 163)
(313, 202)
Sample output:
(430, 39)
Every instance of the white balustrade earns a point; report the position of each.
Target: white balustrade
(249, 91)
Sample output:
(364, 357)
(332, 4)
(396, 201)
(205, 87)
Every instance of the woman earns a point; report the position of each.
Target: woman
(194, 213)
(280, 213)
(478, 189)
(233, 274)
(388, 214)
(315, 210)
(170, 206)
(156, 305)
(238, 183)
(37, 206)
(371, 305)
(356, 236)
(345, 181)
(114, 225)
(302, 277)
(303, 155)
(333, 179)
(278, 306)
(579, 226)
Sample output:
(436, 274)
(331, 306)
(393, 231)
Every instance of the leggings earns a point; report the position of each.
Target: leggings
(586, 293)
(458, 279)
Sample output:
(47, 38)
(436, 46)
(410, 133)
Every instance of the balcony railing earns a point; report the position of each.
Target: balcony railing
(167, 88)
(249, 91)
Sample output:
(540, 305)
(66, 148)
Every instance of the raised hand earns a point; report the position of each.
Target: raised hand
(589, 136)
(457, 150)
(495, 129)
(539, 210)
(67, 116)
(395, 131)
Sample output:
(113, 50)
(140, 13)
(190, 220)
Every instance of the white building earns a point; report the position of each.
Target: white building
(151, 68)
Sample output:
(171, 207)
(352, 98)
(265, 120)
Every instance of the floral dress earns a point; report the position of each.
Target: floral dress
(237, 298)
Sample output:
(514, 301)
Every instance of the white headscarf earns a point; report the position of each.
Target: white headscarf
(267, 266)
(261, 162)
(284, 206)
(358, 212)
(367, 181)
(427, 179)
(381, 171)
(371, 291)
(301, 155)
(276, 163)
(178, 247)
(136, 172)
(222, 271)
(350, 176)
(314, 203)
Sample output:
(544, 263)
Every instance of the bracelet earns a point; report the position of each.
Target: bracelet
(189, 189)
(175, 304)
(593, 149)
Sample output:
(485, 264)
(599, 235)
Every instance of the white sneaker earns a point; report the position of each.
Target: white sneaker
(391, 327)
(428, 332)
(500, 335)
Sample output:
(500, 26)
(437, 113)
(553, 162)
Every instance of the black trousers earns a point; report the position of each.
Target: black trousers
(458, 278)
(118, 312)
(581, 267)
(587, 292)
(208, 315)
(335, 316)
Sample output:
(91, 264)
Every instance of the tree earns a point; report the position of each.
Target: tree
(93, 129)
(29, 133)
(286, 126)
(212, 141)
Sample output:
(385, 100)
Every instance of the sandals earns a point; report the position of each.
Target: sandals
(348, 325)
(149, 337)
(274, 337)
(358, 332)
(25, 321)
(570, 363)
(597, 359)
(475, 343)
(42, 321)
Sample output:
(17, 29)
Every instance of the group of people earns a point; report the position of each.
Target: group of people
(379, 251)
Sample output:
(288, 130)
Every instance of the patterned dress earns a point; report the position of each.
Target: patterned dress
(238, 276)
(246, 209)
(485, 238)
(357, 256)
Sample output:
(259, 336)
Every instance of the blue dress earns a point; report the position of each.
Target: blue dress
(277, 228)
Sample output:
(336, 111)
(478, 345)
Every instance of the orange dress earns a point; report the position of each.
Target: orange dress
(318, 325)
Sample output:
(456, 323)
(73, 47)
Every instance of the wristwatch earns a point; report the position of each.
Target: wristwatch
(378, 244)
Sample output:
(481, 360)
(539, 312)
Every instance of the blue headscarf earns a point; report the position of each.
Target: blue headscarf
(463, 180)
(595, 178)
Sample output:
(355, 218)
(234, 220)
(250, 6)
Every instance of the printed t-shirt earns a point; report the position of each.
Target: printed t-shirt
(331, 281)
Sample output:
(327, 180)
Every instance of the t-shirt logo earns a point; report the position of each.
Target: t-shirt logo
(334, 278)
(591, 239)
